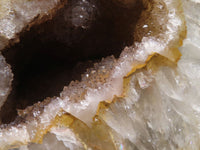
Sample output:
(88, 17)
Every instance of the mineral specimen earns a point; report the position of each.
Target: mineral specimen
(141, 100)
(16, 15)
(5, 80)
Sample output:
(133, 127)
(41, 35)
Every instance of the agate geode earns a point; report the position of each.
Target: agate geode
(136, 97)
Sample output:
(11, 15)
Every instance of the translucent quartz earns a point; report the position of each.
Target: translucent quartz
(105, 80)
(6, 77)
(158, 109)
(166, 114)
(81, 14)
(17, 15)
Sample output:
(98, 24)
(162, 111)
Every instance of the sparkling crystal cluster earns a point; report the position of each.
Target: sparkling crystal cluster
(145, 99)
(5, 80)
(16, 15)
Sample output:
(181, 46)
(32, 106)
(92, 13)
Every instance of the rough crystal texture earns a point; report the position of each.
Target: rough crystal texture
(5, 80)
(105, 80)
(16, 15)
(81, 14)
(155, 104)
(64, 140)
(165, 115)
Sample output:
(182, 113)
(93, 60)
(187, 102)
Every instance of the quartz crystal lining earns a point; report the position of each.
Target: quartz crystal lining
(163, 115)
(82, 13)
(145, 113)
(48, 52)
(5, 80)
(16, 15)
(129, 59)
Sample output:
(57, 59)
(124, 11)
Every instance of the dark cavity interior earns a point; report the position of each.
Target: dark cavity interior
(52, 54)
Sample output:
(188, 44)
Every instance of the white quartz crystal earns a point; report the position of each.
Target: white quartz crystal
(17, 15)
(5, 80)
(81, 14)
(160, 110)
(166, 115)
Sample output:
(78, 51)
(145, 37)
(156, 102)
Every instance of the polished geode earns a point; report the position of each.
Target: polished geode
(146, 99)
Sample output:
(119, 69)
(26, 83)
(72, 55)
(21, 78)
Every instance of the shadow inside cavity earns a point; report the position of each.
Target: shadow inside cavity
(54, 53)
